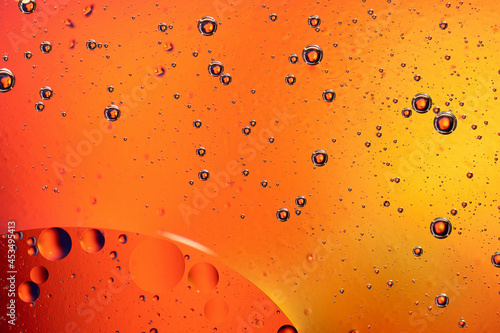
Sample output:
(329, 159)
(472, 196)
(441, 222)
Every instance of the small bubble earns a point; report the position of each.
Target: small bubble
(470, 175)
(461, 323)
(421, 103)
(225, 79)
(319, 158)
(91, 44)
(417, 251)
(122, 238)
(368, 286)
(46, 93)
(246, 130)
(263, 183)
(207, 26)
(445, 122)
(200, 151)
(312, 54)
(112, 112)
(400, 209)
(300, 201)
(453, 212)
(314, 21)
(387, 203)
(215, 68)
(390, 283)
(443, 25)
(283, 214)
(28, 55)
(203, 175)
(113, 254)
(31, 241)
(197, 123)
(441, 227)
(245, 172)
(447, 57)
(406, 112)
(7, 80)
(162, 27)
(495, 259)
(39, 106)
(273, 17)
(28, 291)
(442, 300)
(270, 139)
(253, 123)
(27, 6)
(329, 95)
(290, 79)
(287, 329)
(293, 58)
(33, 251)
(368, 144)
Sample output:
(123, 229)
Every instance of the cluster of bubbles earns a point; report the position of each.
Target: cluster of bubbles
(445, 122)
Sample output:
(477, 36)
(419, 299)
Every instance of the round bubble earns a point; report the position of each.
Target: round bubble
(54, 244)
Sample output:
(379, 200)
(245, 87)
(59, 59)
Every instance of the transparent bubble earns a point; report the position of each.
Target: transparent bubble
(252, 123)
(246, 130)
(495, 259)
(91, 44)
(215, 68)
(441, 227)
(18, 235)
(27, 6)
(45, 47)
(113, 254)
(442, 300)
(162, 27)
(290, 79)
(287, 329)
(319, 158)
(270, 139)
(329, 95)
(110, 88)
(28, 55)
(112, 112)
(447, 57)
(225, 79)
(312, 54)
(300, 201)
(293, 58)
(314, 21)
(33, 251)
(245, 172)
(46, 93)
(443, 25)
(31, 241)
(200, 151)
(387, 203)
(54, 244)
(421, 103)
(7, 80)
(461, 323)
(417, 251)
(283, 214)
(123, 238)
(390, 283)
(28, 291)
(203, 277)
(203, 175)
(39, 106)
(445, 122)
(92, 241)
(39, 274)
(263, 183)
(207, 26)
(273, 17)
(5, 58)
(368, 144)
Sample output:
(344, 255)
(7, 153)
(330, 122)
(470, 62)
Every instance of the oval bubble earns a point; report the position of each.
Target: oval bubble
(54, 244)
(92, 241)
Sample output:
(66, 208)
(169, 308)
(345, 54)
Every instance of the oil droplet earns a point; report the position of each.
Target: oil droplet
(290, 79)
(283, 214)
(273, 17)
(162, 27)
(417, 251)
(203, 175)
(203, 277)
(28, 291)
(461, 323)
(246, 130)
(495, 259)
(421, 103)
(7, 80)
(31, 241)
(387, 203)
(28, 55)
(113, 255)
(197, 123)
(33, 251)
(216, 309)
(207, 26)
(39, 274)
(45, 47)
(46, 93)
(91, 44)
(312, 54)
(314, 21)
(287, 329)
(215, 68)
(406, 112)
(442, 300)
(112, 112)
(441, 227)
(92, 241)
(27, 6)
(445, 122)
(293, 58)
(200, 151)
(225, 79)
(39, 106)
(443, 25)
(123, 238)
(54, 244)
(329, 95)
(157, 265)
(300, 201)
(319, 158)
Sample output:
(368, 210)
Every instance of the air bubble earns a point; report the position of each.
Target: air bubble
(283, 214)
(495, 259)
(162, 27)
(54, 244)
(45, 47)
(421, 103)
(287, 329)
(92, 241)
(293, 58)
(329, 95)
(442, 300)
(39, 106)
(445, 122)
(215, 68)
(312, 54)
(417, 251)
(273, 17)
(39, 274)
(7, 80)
(314, 21)
(203, 175)
(225, 79)
(441, 227)
(290, 79)
(112, 112)
(319, 158)
(46, 93)
(300, 201)
(28, 291)
(27, 6)
(207, 26)
(91, 44)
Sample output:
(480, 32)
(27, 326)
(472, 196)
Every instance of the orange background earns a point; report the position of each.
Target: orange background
(141, 184)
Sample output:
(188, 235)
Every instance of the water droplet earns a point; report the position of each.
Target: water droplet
(495, 259)
(293, 58)
(441, 227)
(442, 300)
(203, 277)
(46, 93)
(290, 79)
(112, 112)
(314, 21)
(28, 291)
(27, 6)
(225, 79)
(39, 106)
(273, 17)
(215, 68)
(54, 244)
(28, 55)
(39, 274)
(287, 329)
(162, 27)
(312, 54)
(300, 201)
(417, 251)
(319, 158)
(421, 103)
(283, 214)
(445, 122)
(443, 25)
(92, 241)
(207, 26)
(91, 44)
(7, 80)
(329, 95)
(203, 175)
